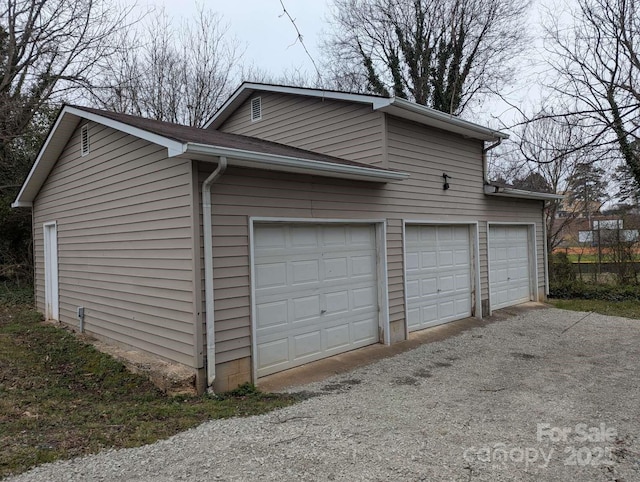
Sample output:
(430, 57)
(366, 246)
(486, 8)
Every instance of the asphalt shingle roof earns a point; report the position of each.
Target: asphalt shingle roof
(217, 138)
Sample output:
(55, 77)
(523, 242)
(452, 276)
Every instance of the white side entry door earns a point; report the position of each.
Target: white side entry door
(51, 271)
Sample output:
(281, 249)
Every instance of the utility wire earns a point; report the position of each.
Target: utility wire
(300, 39)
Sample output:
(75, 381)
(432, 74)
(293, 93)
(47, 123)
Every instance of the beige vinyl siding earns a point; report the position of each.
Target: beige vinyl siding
(426, 154)
(423, 152)
(243, 193)
(336, 128)
(125, 249)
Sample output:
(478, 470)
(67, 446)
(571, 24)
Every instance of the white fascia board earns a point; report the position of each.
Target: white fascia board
(48, 154)
(520, 193)
(393, 105)
(294, 164)
(445, 121)
(245, 90)
(175, 148)
(326, 94)
(19, 202)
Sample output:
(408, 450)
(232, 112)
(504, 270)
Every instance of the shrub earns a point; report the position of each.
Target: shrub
(561, 269)
(590, 291)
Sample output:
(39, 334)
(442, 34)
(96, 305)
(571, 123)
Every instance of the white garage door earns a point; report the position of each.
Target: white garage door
(438, 275)
(509, 271)
(315, 292)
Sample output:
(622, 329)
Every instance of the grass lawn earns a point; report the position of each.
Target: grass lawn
(628, 309)
(60, 398)
(585, 258)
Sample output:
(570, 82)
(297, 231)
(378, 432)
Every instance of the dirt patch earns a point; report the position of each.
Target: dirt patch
(422, 373)
(406, 381)
(171, 378)
(523, 356)
(341, 385)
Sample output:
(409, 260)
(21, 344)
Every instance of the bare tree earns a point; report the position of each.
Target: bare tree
(440, 53)
(47, 49)
(597, 59)
(546, 155)
(173, 74)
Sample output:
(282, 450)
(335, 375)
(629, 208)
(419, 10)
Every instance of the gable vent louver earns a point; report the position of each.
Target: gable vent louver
(256, 109)
(85, 139)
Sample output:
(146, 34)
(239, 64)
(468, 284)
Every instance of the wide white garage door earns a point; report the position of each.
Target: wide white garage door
(509, 270)
(438, 275)
(315, 292)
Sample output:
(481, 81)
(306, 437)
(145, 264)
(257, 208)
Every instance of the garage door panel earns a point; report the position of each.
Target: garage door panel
(509, 265)
(363, 265)
(462, 281)
(446, 284)
(412, 261)
(428, 260)
(271, 314)
(304, 271)
(413, 289)
(303, 236)
(269, 237)
(334, 236)
(364, 332)
(461, 258)
(269, 275)
(327, 302)
(274, 353)
(413, 317)
(364, 298)
(337, 337)
(429, 315)
(440, 285)
(428, 286)
(361, 236)
(447, 309)
(335, 268)
(305, 308)
(337, 302)
(307, 344)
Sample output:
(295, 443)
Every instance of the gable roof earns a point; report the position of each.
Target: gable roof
(391, 105)
(195, 143)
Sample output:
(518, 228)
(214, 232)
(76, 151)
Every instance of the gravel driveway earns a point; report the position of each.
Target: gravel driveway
(519, 399)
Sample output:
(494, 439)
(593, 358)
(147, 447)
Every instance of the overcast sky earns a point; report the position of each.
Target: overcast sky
(268, 36)
(269, 40)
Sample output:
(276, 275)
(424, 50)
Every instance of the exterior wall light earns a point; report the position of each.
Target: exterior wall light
(445, 176)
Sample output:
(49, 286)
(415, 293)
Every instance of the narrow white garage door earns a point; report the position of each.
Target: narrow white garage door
(509, 262)
(315, 292)
(438, 275)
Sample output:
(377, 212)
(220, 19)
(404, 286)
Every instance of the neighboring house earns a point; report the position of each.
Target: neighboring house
(329, 221)
(599, 230)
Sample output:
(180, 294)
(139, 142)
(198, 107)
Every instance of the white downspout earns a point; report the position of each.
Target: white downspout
(485, 167)
(208, 270)
(546, 252)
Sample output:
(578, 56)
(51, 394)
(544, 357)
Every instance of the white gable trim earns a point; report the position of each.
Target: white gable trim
(69, 117)
(243, 92)
(57, 139)
(175, 148)
(393, 105)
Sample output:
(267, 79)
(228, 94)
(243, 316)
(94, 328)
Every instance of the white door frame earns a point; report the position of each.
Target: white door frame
(382, 281)
(51, 290)
(533, 258)
(475, 262)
